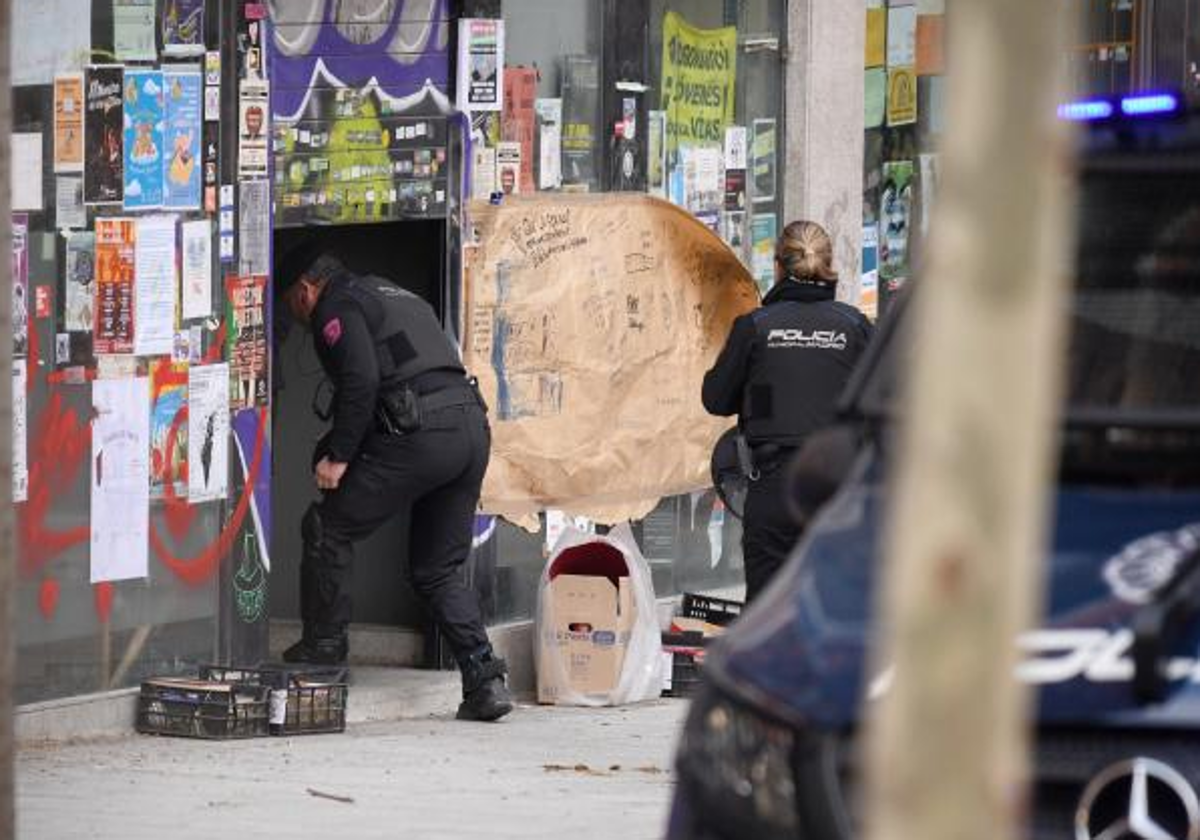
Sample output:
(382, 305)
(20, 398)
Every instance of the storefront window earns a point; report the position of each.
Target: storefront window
(694, 116)
(140, 386)
(904, 83)
(1103, 59)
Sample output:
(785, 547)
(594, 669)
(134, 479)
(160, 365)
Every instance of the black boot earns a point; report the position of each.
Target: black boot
(485, 696)
(319, 650)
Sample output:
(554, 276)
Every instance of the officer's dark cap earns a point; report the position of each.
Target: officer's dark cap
(297, 262)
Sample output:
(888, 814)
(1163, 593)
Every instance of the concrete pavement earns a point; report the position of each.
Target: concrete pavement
(544, 772)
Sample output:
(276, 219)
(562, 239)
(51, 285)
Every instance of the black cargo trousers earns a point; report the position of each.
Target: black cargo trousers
(434, 476)
(769, 531)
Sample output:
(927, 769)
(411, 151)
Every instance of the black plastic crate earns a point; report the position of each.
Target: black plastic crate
(686, 666)
(719, 611)
(202, 709)
(315, 699)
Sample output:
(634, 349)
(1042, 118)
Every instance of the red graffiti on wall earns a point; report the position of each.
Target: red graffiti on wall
(195, 570)
(60, 449)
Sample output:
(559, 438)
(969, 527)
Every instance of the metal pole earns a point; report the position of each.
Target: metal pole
(947, 741)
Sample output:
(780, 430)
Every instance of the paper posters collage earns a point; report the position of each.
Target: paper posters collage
(126, 299)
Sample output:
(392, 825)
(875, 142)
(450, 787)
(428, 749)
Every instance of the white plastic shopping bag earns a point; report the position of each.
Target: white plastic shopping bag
(598, 641)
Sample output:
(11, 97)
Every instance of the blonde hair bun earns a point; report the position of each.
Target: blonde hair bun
(806, 253)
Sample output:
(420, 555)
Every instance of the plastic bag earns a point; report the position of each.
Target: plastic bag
(641, 672)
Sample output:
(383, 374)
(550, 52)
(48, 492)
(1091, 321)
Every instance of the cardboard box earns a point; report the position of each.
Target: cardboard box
(588, 633)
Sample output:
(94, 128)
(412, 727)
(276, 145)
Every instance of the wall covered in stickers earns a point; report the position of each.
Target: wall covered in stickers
(362, 126)
(142, 440)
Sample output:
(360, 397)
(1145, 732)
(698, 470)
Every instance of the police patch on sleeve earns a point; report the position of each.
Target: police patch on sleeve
(332, 331)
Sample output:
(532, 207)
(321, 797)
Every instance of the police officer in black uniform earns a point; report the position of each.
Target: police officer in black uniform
(781, 371)
(410, 433)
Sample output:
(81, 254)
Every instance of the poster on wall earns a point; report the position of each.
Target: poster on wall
(69, 210)
(103, 179)
(68, 122)
(483, 172)
(902, 36)
(868, 293)
(764, 151)
(246, 345)
(549, 121)
(133, 30)
(699, 81)
(508, 168)
(901, 96)
(253, 99)
(25, 171)
(480, 64)
(144, 138)
(197, 269)
(20, 420)
(208, 432)
(113, 331)
(20, 284)
(581, 102)
(518, 121)
(656, 140)
(120, 485)
(895, 217)
(155, 286)
(79, 281)
(763, 232)
(182, 163)
(168, 429)
(183, 27)
(254, 227)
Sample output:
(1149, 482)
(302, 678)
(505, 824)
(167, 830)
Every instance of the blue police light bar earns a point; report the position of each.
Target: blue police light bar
(1150, 103)
(1087, 110)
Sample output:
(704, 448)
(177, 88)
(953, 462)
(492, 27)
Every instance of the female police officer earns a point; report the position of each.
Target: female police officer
(781, 371)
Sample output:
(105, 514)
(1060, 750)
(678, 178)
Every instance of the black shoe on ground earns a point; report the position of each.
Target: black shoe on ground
(318, 650)
(485, 696)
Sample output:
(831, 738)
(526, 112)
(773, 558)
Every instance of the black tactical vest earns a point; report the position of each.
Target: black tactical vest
(408, 338)
(802, 358)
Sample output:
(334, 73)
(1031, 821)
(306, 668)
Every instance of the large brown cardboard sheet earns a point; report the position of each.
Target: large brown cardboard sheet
(590, 321)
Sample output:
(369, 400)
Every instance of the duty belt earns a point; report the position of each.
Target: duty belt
(450, 397)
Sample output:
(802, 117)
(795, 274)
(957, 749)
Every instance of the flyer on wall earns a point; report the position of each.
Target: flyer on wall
(208, 432)
(183, 27)
(68, 122)
(133, 30)
(763, 152)
(120, 486)
(155, 286)
(114, 285)
(144, 138)
(78, 281)
(254, 227)
(20, 456)
(763, 231)
(253, 106)
(549, 119)
(104, 178)
(480, 64)
(519, 120)
(197, 269)
(656, 139)
(182, 187)
(168, 429)
(20, 284)
(246, 345)
(69, 210)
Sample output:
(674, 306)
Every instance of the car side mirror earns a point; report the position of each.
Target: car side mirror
(819, 468)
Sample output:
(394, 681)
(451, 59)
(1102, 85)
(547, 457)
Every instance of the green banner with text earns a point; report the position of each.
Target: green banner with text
(699, 80)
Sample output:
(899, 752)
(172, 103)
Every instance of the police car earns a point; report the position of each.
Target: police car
(770, 748)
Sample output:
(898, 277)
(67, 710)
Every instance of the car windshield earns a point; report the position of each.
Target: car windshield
(1135, 331)
(1134, 358)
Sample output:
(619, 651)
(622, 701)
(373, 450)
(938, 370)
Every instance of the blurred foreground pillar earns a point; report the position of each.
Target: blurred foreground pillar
(8, 555)
(947, 742)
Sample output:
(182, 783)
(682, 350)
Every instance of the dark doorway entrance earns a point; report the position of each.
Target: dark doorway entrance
(411, 254)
